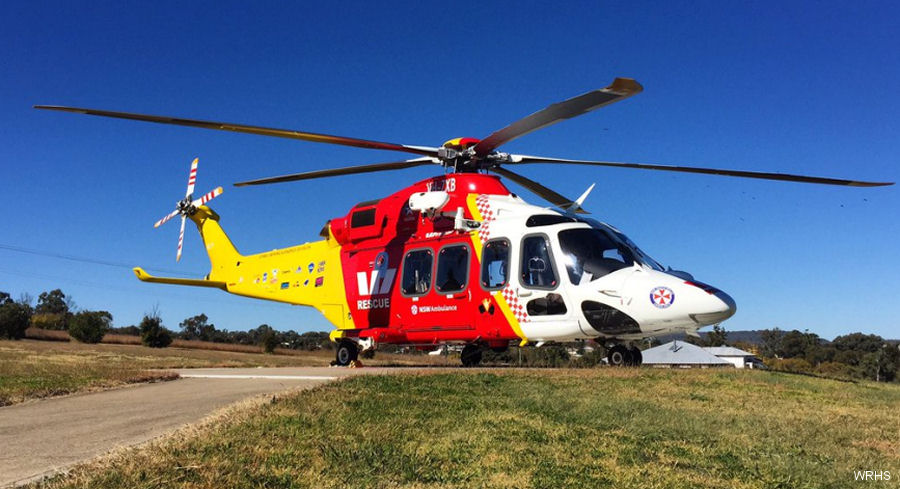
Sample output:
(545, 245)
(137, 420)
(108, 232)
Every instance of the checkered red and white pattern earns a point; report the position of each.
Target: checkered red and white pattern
(483, 204)
(512, 300)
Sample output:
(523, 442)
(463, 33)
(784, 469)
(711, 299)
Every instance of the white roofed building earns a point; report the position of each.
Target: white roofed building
(679, 354)
(739, 358)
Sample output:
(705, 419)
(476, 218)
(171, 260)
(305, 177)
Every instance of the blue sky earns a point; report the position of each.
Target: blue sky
(795, 87)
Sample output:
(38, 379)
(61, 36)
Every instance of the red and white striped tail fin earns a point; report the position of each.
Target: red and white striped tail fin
(212, 194)
(165, 219)
(192, 178)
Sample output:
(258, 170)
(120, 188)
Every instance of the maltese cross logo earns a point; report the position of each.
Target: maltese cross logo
(662, 297)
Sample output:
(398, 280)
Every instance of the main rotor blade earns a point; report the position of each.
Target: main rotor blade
(548, 195)
(620, 89)
(397, 165)
(192, 177)
(263, 131)
(786, 177)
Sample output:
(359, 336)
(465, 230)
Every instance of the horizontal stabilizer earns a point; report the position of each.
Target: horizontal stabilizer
(146, 277)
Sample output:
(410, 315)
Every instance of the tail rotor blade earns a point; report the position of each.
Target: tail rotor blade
(165, 219)
(212, 194)
(180, 240)
(192, 178)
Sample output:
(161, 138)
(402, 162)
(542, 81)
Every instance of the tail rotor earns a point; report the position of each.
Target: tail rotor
(187, 206)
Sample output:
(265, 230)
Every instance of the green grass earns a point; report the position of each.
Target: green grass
(594, 428)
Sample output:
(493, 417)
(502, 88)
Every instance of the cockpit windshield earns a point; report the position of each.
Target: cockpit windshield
(591, 253)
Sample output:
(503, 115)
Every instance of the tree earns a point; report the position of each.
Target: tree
(716, 337)
(153, 334)
(52, 310)
(90, 326)
(197, 328)
(14, 317)
(771, 342)
(269, 341)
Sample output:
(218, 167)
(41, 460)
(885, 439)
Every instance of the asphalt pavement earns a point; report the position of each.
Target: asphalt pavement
(42, 437)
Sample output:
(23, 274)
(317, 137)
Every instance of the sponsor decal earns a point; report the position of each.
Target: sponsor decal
(321, 267)
(320, 281)
(427, 309)
(300, 269)
(265, 277)
(436, 234)
(311, 267)
(306, 282)
(662, 297)
(366, 304)
(414, 309)
(285, 285)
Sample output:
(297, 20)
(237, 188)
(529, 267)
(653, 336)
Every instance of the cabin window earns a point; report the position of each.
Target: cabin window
(452, 269)
(547, 220)
(537, 271)
(417, 272)
(591, 253)
(495, 264)
(362, 218)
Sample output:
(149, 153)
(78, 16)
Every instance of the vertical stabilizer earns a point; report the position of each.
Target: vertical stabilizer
(223, 257)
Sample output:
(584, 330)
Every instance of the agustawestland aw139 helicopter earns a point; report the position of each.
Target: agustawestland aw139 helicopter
(460, 259)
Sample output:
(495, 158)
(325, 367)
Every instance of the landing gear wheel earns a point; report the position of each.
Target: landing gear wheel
(471, 355)
(636, 357)
(347, 351)
(618, 356)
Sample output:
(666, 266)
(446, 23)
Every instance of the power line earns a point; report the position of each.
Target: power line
(131, 290)
(19, 249)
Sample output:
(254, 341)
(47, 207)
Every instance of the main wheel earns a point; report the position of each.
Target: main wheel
(471, 355)
(636, 357)
(619, 356)
(347, 351)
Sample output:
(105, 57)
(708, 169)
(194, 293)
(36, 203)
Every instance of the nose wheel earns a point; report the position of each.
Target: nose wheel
(621, 356)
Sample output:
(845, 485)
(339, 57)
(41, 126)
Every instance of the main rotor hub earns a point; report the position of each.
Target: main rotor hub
(185, 206)
(458, 154)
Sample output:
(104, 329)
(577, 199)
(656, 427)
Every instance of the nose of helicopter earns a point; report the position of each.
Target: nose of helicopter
(717, 307)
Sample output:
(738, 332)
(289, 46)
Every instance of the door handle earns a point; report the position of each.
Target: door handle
(523, 293)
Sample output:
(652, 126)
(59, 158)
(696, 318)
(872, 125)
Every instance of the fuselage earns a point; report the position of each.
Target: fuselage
(389, 273)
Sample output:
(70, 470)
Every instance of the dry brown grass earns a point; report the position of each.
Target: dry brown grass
(32, 369)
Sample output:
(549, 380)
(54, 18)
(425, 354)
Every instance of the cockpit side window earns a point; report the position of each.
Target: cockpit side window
(495, 264)
(592, 253)
(537, 270)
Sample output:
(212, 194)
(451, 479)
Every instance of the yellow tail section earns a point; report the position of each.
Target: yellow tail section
(308, 275)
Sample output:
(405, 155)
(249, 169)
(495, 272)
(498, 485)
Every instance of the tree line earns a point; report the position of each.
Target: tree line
(56, 311)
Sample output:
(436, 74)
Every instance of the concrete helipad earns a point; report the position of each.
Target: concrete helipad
(46, 436)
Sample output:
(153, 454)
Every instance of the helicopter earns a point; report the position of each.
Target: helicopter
(460, 259)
